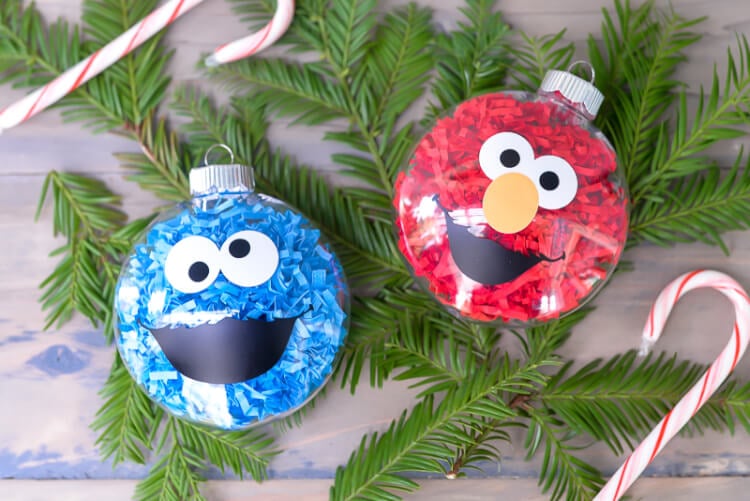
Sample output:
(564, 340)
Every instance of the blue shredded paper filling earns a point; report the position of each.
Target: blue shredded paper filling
(309, 281)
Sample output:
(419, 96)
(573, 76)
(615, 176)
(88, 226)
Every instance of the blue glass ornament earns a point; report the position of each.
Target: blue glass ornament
(232, 308)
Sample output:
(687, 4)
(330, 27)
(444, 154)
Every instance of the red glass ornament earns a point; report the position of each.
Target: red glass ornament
(512, 209)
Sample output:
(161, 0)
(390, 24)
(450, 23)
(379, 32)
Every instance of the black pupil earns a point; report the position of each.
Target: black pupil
(549, 181)
(239, 248)
(198, 271)
(510, 158)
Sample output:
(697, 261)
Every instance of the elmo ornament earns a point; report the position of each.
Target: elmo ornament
(512, 209)
(232, 309)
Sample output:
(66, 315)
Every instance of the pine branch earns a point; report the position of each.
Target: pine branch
(471, 60)
(391, 328)
(346, 28)
(396, 66)
(562, 472)
(85, 207)
(720, 115)
(624, 36)
(648, 90)
(421, 441)
(544, 340)
(433, 355)
(85, 213)
(287, 88)
(482, 448)
(173, 477)
(254, 12)
(729, 405)
(357, 80)
(240, 451)
(624, 397)
(160, 166)
(128, 419)
(535, 56)
(699, 207)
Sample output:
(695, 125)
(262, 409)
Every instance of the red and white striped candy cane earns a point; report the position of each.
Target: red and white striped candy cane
(123, 45)
(703, 389)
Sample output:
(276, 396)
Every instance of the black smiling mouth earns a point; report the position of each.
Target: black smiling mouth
(229, 351)
(486, 261)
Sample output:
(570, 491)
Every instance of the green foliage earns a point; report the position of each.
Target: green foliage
(174, 476)
(562, 472)
(472, 59)
(85, 214)
(237, 451)
(422, 440)
(623, 395)
(367, 77)
(128, 419)
(160, 167)
(677, 191)
(536, 55)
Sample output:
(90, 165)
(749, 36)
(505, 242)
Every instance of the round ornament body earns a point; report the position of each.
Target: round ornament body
(512, 208)
(231, 309)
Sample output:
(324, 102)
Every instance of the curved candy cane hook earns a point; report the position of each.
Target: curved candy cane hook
(123, 45)
(703, 389)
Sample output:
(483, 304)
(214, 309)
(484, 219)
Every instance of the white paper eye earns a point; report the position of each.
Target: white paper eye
(249, 258)
(503, 152)
(192, 264)
(555, 180)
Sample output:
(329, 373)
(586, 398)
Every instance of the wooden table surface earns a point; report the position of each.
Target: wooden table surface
(50, 379)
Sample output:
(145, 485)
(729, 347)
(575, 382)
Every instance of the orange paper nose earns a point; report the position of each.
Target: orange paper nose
(510, 203)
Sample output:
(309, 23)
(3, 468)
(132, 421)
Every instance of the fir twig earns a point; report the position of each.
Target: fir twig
(174, 476)
(562, 472)
(471, 60)
(424, 439)
(85, 213)
(128, 419)
(535, 56)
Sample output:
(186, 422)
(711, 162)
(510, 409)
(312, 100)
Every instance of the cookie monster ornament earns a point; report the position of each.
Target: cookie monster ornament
(512, 209)
(232, 309)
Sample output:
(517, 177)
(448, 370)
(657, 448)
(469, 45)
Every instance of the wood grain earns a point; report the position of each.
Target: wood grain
(50, 379)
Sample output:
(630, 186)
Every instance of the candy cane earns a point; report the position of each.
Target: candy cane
(123, 45)
(703, 389)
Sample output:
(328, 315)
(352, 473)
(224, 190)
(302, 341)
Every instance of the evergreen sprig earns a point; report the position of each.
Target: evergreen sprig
(537, 55)
(422, 440)
(678, 193)
(471, 59)
(128, 419)
(85, 214)
(371, 70)
(562, 473)
(626, 395)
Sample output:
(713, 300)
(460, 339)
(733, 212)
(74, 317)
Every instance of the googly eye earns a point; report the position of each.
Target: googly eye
(503, 152)
(192, 264)
(249, 258)
(555, 180)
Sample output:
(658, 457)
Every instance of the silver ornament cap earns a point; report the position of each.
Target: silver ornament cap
(218, 178)
(574, 88)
